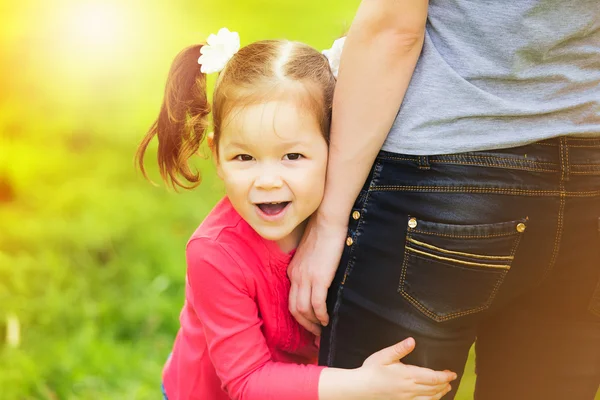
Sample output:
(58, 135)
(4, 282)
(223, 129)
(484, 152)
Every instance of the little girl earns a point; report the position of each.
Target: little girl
(271, 114)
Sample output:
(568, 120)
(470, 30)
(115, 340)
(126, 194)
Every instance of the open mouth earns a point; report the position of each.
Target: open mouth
(272, 209)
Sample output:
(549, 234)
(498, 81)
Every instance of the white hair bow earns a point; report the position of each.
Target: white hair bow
(334, 55)
(218, 50)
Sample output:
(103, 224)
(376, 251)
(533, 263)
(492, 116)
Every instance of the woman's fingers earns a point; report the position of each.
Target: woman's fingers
(319, 302)
(304, 302)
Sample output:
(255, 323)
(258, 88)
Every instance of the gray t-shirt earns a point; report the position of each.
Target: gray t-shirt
(502, 73)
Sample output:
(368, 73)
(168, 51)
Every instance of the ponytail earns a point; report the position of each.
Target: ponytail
(181, 123)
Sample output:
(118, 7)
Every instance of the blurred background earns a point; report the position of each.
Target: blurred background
(92, 262)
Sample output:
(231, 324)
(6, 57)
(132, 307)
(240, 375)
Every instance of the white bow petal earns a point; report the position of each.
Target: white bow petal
(334, 55)
(218, 50)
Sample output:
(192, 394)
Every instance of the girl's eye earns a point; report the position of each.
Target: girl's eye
(293, 156)
(244, 157)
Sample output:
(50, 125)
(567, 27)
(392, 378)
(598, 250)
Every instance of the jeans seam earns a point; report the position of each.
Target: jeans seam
(518, 167)
(561, 209)
(586, 165)
(465, 236)
(590, 173)
(349, 267)
(392, 158)
(546, 144)
(557, 238)
(465, 189)
(499, 160)
(594, 306)
(502, 161)
(567, 167)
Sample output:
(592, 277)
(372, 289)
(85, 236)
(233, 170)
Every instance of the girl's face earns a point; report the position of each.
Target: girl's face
(272, 159)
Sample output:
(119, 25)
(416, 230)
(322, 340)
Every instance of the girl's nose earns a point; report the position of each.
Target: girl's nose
(268, 179)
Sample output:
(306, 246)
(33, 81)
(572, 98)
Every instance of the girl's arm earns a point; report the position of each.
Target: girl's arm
(222, 298)
(379, 57)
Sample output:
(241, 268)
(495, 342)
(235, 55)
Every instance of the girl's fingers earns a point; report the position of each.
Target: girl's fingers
(392, 354)
(426, 376)
(441, 393)
(427, 391)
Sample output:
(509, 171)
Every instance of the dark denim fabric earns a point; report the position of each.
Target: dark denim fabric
(164, 393)
(502, 246)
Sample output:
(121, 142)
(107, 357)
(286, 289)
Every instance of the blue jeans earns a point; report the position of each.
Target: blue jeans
(502, 246)
(162, 388)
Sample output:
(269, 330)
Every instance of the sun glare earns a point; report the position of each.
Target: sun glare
(96, 24)
(93, 31)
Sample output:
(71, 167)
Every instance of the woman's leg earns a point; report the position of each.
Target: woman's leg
(546, 345)
(443, 244)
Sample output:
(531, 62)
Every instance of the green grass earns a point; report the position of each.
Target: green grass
(91, 255)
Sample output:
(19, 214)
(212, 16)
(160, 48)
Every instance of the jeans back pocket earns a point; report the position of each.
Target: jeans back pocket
(454, 270)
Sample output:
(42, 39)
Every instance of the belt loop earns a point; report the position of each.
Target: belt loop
(564, 159)
(424, 162)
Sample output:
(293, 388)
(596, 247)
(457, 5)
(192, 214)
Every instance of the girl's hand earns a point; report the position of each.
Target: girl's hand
(387, 378)
(311, 271)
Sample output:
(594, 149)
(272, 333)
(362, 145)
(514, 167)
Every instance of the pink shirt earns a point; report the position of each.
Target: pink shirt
(237, 338)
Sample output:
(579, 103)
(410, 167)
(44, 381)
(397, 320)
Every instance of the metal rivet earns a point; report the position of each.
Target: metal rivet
(355, 215)
(412, 223)
(349, 241)
(521, 227)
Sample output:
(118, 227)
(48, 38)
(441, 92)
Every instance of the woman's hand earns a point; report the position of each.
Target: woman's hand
(312, 269)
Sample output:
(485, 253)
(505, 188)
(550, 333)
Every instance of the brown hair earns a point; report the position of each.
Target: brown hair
(257, 71)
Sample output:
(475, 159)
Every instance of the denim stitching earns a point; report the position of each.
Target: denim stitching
(562, 159)
(396, 158)
(404, 265)
(558, 237)
(508, 160)
(447, 317)
(567, 161)
(460, 253)
(466, 236)
(583, 139)
(595, 303)
(450, 259)
(490, 157)
(519, 167)
(500, 161)
(585, 172)
(465, 189)
(457, 314)
(513, 251)
(559, 228)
